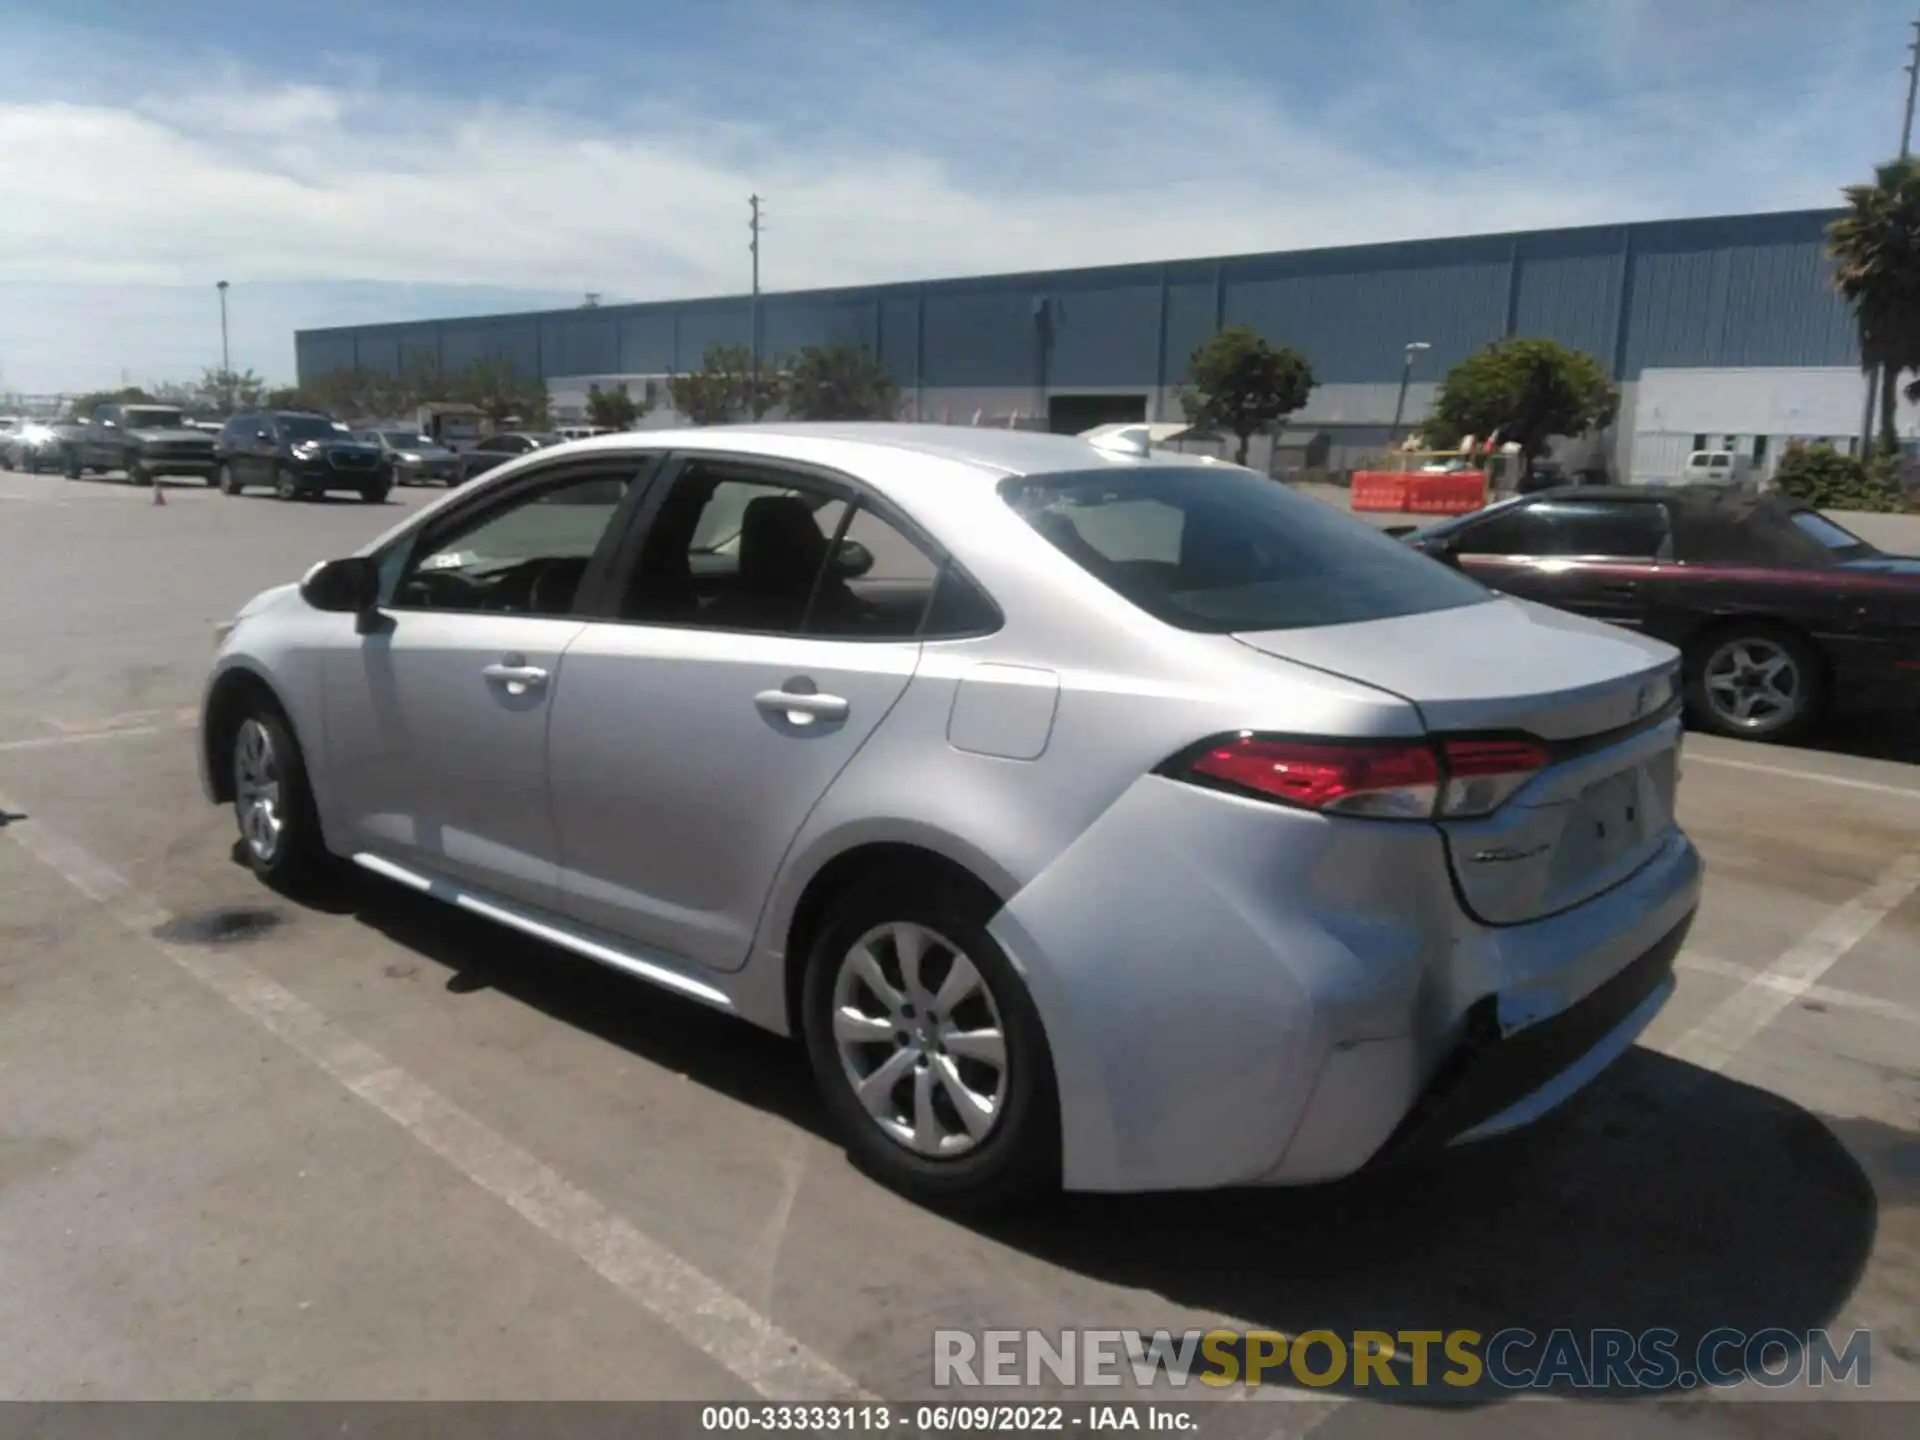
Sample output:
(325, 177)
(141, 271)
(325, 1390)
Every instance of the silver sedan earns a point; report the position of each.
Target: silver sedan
(1096, 817)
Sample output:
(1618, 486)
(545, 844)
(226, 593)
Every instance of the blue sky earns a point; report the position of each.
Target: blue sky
(353, 160)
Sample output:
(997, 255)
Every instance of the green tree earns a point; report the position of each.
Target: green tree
(613, 408)
(222, 392)
(358, 394)
(84, 405)
(839, 382)
(725, 388)
(1821, 476)
(1241, 384)
(288, 397)
(1876, 250)
(496, 388)
(1527, 390)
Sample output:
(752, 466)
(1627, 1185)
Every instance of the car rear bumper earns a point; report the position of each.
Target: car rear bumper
(1493, 1083)
(1237, 993)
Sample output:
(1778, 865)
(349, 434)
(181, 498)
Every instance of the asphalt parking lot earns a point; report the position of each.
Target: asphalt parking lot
(380, 1151)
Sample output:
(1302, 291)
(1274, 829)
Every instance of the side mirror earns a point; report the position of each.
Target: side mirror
(851, 560)
(110, 424)
(348, 587)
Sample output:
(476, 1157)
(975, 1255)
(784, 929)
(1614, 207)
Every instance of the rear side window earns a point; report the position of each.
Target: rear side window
(1223, 550)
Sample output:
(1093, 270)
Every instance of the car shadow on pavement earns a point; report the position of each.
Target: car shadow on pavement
(1888, 736)
(1665, 1197)
(727, 1055)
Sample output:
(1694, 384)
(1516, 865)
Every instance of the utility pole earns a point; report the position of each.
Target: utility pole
(1912, 69)
(753, 311)
(226, 361)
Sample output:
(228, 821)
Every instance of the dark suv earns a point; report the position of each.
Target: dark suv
(299, 454)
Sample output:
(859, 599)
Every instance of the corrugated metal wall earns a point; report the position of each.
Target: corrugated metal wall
(1749, 290)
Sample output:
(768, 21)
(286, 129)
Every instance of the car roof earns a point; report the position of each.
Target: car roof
(989, 451)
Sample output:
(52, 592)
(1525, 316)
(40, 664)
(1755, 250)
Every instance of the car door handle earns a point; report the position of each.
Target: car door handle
(799, 708)
(518, 677)
(1620, 589)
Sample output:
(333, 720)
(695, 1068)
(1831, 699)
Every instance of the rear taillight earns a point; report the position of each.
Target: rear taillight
(1481, 774)
(1395, 780)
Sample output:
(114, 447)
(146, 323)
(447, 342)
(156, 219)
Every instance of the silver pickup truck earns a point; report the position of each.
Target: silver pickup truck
(144, 442)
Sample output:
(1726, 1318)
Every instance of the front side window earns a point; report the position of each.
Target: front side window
(525, 557)
(751, 548)
(1629, 530)
(1222, 550)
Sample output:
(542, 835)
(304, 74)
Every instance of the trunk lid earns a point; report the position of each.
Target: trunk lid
(1601, 698)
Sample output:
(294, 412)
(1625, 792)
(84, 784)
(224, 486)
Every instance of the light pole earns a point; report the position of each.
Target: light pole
(226, 362)
(1414, 347)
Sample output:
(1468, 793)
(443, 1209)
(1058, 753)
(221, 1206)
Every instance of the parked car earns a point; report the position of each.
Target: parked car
(143, 442)
(1114, 819)
(498, 449)
(413, 458)
(40, 445)
(1781, 612)
(1717, 467)
(300, 454)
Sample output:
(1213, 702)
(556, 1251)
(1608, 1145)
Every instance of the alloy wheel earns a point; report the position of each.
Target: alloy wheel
(1753, 684)
(920, 1039)
(256, 787)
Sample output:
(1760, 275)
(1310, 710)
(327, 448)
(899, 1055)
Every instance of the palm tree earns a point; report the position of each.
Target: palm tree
(1876, 247)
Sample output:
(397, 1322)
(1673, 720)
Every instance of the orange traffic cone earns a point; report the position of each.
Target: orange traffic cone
(159, 495)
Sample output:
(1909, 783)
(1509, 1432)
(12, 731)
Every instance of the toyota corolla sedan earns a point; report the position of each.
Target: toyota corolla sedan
(1094, 817)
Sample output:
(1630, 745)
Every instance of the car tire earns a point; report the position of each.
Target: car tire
(1016, 1153)
(6, 460)
(285, 485)
(137, 473)
(1753, 680)
(273, 805)
(71, 465)
(375, 494)
(228, 481)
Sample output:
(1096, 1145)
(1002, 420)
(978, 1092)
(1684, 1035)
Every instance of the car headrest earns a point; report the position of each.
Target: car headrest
(781, 547)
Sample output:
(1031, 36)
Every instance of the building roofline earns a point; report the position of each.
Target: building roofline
(1148, 270)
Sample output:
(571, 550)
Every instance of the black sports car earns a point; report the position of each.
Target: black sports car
(1780, 612)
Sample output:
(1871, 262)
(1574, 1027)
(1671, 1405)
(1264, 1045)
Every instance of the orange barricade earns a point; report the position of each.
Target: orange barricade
(1417, 494)
(1379, 490)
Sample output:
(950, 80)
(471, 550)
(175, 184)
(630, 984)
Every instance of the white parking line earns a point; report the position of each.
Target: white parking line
(1843, 782)
(53, 742)
(700, 1311)
(1819, 994)
(1727, 1028)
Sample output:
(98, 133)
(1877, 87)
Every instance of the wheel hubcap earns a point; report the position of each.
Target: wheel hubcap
(920, 1039)
(1753, 684)
(256, 786)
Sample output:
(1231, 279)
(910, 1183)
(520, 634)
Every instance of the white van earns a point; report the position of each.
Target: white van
(1717, 467)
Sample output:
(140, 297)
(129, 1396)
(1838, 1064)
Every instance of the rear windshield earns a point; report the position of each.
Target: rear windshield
(1834, 537)
(1223, 550)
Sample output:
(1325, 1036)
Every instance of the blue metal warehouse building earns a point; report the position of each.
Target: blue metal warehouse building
(1721, 331)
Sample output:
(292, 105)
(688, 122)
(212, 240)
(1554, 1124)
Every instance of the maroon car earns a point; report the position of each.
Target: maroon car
(1780, 612)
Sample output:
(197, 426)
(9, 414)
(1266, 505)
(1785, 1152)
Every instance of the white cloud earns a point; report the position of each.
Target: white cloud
(930, 161)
